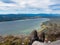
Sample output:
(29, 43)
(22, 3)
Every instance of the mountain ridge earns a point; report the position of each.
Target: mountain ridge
(11, 17)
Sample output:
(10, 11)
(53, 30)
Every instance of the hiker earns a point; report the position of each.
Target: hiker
(42, 37)
(40, 40)
(34, 37)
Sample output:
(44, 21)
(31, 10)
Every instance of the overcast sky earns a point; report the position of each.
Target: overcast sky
(29, 6)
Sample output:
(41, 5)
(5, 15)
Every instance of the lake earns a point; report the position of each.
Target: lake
(21, 26)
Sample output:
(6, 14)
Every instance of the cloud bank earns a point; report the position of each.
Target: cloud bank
(29, 6)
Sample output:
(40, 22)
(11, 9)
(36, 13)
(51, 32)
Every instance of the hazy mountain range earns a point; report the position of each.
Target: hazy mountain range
(11, 17)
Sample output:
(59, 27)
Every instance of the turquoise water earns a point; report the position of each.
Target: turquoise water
(21, 26)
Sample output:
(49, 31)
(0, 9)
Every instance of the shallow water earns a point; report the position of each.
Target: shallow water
(20, 26)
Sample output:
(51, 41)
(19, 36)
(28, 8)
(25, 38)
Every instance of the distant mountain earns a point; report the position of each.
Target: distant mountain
(11, 17)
